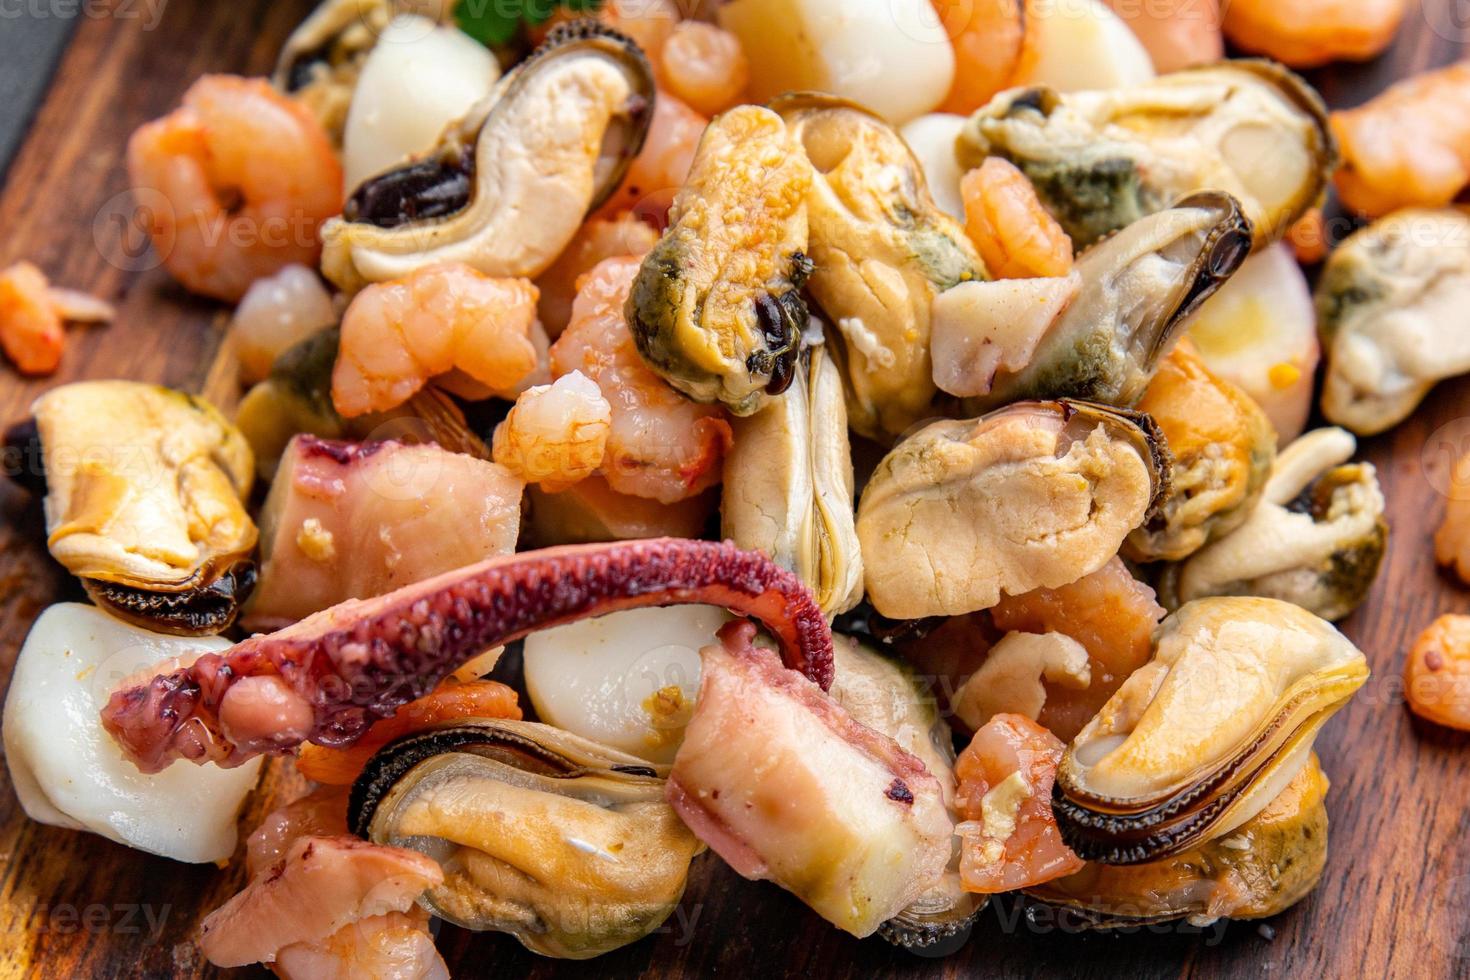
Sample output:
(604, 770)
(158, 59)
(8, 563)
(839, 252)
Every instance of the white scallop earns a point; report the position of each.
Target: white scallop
(68, 772)
(1260, 331)
(932, 139)
(1081, 44)
(418, 79)
(597, 678)
(892, 56)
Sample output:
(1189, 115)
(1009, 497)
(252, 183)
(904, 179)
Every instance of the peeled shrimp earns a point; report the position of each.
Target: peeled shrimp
(703, 65)
(1009, 838)
(396, 335)
(556, 434)
(246, 176)
(1437, 673)
(990, 48)
(1111, 614)
(659, 169)
(1176, 33)
(1409, 146)
(339, 767)
(31, 317)
(1014, 234)
(597, 239)
(1307, 33)
(276, 313)
(660, 445)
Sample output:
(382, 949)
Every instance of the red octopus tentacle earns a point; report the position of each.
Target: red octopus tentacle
(329, 677)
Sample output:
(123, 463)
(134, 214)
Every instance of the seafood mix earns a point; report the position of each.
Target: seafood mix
(888, 471)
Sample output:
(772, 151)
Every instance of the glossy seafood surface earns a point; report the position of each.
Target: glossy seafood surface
(1205, 735)
(145, 502)
(1036, 494)
(1103, 159)
(565, 844)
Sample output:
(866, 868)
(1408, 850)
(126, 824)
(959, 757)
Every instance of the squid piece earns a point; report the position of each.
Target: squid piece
(329, 677)
(783, 784)
(353, 520)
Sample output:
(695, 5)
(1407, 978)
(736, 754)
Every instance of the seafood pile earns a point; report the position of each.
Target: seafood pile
(891, 477)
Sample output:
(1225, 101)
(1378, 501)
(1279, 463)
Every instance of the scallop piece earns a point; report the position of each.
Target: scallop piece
(1259, 331)
(931, 138)
(627, 679)
(69, 773)
(506, 187)
(418, 78)
(1206, 734)
(1390, 305)
(1037, 494)
(893, 57)
(1101, 160)
(1082, 45)
(276, 313)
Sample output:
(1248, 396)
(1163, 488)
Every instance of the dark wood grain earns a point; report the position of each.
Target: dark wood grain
(1395, 899)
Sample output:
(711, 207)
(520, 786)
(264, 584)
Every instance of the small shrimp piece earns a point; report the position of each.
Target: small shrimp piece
(450, 700)
(660, 445)
(277, 312)
(1409, 146)
(1008, 836)
(247, 177)
(659, 169)
(705, 66)
(1452, 540)
(392, 946)
(1437, 673)
(1015, 235)
(1176, 33)
(1111, 614)
(555, 434)
(1308, 237)
(597, 239)
(32, 312)
(1308, 33)
(398, 334)
(991, 48)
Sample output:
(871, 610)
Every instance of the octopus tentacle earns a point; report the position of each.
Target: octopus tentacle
(327, 678)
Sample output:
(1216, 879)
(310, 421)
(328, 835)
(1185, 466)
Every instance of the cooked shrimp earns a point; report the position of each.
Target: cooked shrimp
(597, 239)
(278, 311)
(1009, 838)
(1409, 146)
(647, 22)
(1452, 540)
(1014, 234)
(1437, 673)
(1111, 614)
(1308, 237)
(248, 176)
(703, 65)
(659, 169)
(31, 317)
(555, 434)
(990, 48)
(396, 335)
(1307, 33)
(1176, 33)
(661, 445)
(478, 699)
(320, 886)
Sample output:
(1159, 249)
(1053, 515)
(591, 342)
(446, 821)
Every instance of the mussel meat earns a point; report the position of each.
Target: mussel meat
(1390, 305)
(1268, 864)
(884, 694)
(1316, 538)
(1100, 160)
(145, 502)
(1103, 342)
(1206, 734)
(882, 251)
(788, 485)
(510, 183)
(565, 844)
(1037, 494)
(1223, 447)
(716, 309)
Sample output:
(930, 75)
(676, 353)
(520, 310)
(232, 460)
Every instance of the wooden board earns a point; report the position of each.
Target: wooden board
(1395, 899)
